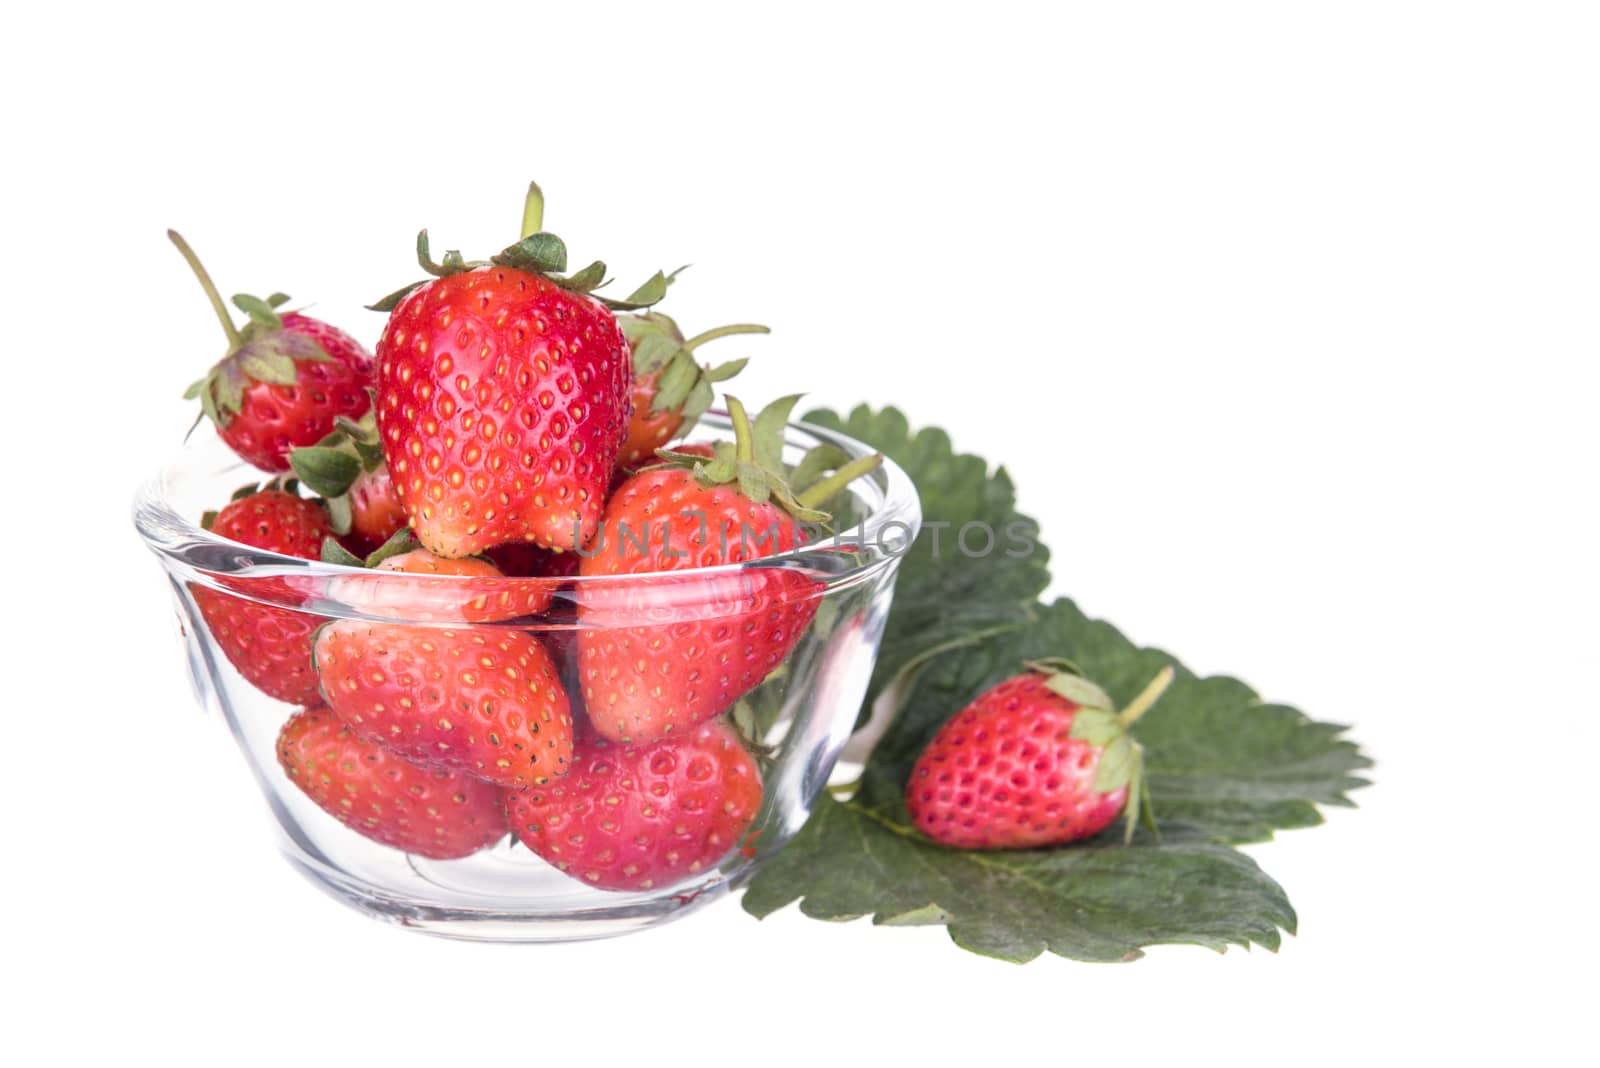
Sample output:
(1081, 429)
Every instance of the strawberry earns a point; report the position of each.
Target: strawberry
(483, 700)
(670, 390)
(527, 560)
(376, 514)
(284, 380)
(1038, 760)
(639, 817)
(503, 396)
(712, 638)
(376, 794)
(268, 645)
(346, 468)
(487, 595)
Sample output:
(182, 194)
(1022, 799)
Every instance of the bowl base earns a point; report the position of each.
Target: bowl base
(489, 924)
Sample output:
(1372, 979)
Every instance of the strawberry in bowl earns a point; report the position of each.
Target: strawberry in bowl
(549, 702)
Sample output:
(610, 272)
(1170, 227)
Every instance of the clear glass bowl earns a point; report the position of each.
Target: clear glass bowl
(796, 721)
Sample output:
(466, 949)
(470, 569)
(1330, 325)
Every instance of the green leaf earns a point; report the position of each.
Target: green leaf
(259, 311)
(724, 371)
(586, 279)
(651, 292)
(697, 404)
(944, 598)
(1097, 726)
(392, 301)
(1116, 764)
(817, 462)
(1219, 766)
(268, 366)
(340, 514)
(718, 471)
(753, 483)
(651, 351)
(334, 553)
(1093, 903)
(540, 253)
(638, 327)
(229, 388)
(675, 383)
(1080, 691)
(401, 541)
(277, 300)
(328, 471)
(768, 431)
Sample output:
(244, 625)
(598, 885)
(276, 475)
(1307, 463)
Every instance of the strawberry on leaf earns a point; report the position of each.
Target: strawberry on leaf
(1220, 766)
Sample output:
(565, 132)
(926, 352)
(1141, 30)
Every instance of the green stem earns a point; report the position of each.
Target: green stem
(815, 495)
(234, 340)
(533, 210)
(1147, 697)
(723, 331)
(743, 437)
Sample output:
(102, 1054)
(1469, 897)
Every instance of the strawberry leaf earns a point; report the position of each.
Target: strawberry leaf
(1219, 766)
(539, 253)
(945, 598)
(1102, 902)
(328, 471)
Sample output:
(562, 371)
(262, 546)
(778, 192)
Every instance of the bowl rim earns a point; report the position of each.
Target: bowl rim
(175, 537)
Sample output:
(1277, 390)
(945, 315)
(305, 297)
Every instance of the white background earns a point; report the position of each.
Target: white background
(1283, 316)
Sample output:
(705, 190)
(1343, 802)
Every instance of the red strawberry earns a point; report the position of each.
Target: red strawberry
(670, 390)
(1038, 760)
(483, 700)
(527, 560)
(503, 398)
(530, 561)
(488, 597)
(376, 794)
(376, 514)
(346, 468)
(269, 646)
(638, 817)
(711, 638)
(285, 379)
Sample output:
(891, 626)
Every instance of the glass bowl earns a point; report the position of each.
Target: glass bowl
(793, 723)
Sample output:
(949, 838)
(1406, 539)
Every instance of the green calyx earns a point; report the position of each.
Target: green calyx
(537, 252)
(331, 466)
(685, 386)
(260, 351)
(754, 462)
(401, 541)
(1098, 723)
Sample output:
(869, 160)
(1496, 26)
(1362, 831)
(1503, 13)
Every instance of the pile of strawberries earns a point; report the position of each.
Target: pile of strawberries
(511, 427)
